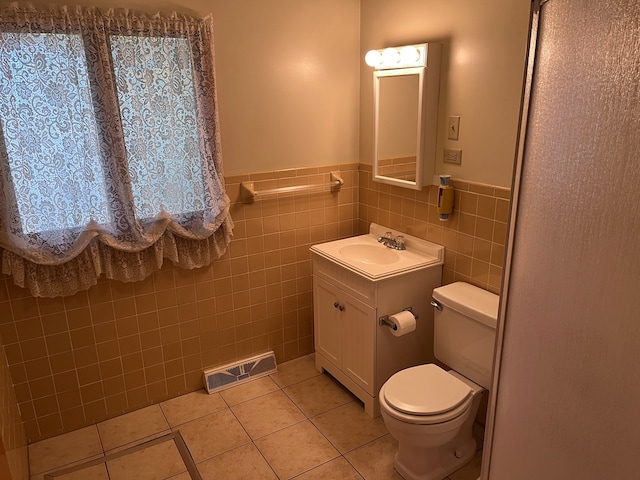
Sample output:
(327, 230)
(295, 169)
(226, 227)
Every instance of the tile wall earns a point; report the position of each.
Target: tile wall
(78, 360)
(13, 442)
(117, 347)
(474, 235)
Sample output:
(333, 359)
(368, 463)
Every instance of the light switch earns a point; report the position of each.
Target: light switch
(453, 128)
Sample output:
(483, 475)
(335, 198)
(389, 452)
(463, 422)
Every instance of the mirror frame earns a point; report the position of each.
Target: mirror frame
(395, 61)
(377, 76)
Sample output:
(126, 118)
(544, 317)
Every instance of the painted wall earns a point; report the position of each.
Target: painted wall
(287, 75)
(568, 383)
(288, 83)
(484, 46)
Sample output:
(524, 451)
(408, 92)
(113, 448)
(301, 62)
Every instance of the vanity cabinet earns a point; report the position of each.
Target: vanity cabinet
(345, 333)
(350, 343)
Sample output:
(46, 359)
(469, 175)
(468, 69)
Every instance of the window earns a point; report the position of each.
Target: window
(109, 146)
(165, 169)
(42, 75)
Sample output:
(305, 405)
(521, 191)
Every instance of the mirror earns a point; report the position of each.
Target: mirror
(405, 116)
(397, 132)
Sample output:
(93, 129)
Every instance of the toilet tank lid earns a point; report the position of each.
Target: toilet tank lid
(469, 300)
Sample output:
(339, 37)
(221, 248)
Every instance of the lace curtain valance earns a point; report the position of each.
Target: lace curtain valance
(110, 156)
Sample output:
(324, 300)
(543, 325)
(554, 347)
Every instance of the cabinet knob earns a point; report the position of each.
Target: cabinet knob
(341, 308)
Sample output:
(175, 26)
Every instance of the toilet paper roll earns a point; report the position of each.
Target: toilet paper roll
(404, 321)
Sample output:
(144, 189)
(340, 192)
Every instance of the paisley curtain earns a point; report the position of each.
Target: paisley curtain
(110, 158)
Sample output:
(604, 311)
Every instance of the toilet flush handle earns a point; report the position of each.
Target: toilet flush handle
(435, 304)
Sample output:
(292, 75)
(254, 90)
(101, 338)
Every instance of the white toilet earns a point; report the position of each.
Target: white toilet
(431, 411)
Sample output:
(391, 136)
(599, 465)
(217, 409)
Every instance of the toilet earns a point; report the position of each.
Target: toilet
(431, 411)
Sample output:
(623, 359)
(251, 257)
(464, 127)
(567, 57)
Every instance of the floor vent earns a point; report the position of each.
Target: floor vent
(236, 373)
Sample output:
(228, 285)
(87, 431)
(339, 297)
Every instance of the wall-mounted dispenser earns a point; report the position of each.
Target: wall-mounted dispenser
(445, 197)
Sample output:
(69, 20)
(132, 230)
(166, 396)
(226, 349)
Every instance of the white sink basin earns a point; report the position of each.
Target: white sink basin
(371, 254)
(366, 256)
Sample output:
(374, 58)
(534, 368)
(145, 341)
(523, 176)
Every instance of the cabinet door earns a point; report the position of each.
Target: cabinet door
(327, 322)
(358, 342)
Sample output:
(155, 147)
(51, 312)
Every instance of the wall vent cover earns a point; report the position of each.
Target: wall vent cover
(219, 378)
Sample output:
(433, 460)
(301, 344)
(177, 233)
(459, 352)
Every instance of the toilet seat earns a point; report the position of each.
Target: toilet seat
(427, 393)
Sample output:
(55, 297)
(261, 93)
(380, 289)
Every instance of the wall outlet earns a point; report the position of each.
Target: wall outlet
(452, 155)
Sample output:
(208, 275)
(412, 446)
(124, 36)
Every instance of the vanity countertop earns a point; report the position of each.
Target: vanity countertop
(364, 255)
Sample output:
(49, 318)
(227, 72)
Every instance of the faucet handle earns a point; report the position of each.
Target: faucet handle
(400, 242)
(388, 235)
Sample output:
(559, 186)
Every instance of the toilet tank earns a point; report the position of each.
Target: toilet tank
(465, 330)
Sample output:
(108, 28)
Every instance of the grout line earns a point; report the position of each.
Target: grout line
(107, 458)
(251, 440)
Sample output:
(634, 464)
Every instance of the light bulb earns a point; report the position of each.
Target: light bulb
(373, 58)
(390, 56)
(409, 54)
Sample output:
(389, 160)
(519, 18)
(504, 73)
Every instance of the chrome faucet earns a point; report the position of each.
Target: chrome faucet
(389, 241)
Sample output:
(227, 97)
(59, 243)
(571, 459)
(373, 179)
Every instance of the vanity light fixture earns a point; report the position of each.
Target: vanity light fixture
(397, 57)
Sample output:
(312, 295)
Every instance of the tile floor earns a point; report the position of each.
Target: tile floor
(296, 423)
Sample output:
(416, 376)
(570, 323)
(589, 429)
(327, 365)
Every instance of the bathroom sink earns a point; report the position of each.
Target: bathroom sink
(372, 254)
(366, 256)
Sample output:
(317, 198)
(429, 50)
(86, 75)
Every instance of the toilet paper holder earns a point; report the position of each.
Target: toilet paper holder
(384, 320)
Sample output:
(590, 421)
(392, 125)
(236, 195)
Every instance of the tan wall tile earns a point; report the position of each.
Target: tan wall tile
(114, 385)
(33, 349)
(502, 210)
(54, 323)
(37, 368)
(85, 356)
(73, 418)
(78, 317)
(62, 362)
(89, 374)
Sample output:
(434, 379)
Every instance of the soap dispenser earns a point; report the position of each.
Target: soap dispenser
(445, 197)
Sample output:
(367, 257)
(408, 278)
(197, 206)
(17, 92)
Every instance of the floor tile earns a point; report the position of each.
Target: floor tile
(374, 461)
(249, 391)
(471, 471)
(349, 427)
(318, 395)
(132, 427)
(212, 435)
(338, 469)
(273, 410)
(40, 476)
(241, 463)
(193, 405)
(296, 449)
(64, 449)
(181, 476)
(267, 414)
(96, 472)
(295, 371)
(152, 463)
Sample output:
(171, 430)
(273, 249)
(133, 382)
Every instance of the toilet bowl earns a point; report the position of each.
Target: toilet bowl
(431, 411)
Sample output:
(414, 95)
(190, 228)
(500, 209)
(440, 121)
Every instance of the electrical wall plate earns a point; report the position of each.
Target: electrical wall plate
(453, 128)
(452, 155)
